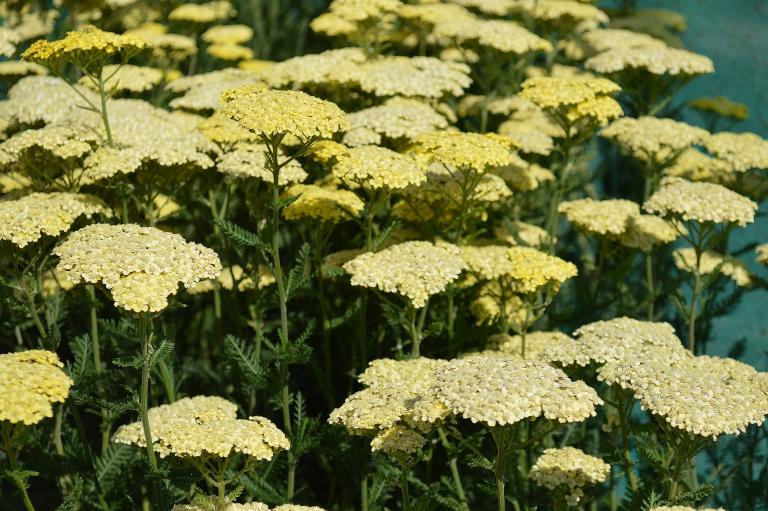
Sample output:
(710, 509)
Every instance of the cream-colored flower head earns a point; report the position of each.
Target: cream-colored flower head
(32, 383)
(741, 151)
(694, 165)
(469, 151)
(87, 48)
(615, 339)
(337, 68)
(502, 391)
(204, 14)
(202, 92)
(492, 7)
(684, 508)
(522, 233)
(652, 139)
(217, 504)
(644, 232)
(250, 161)
(230, 52)
(414, 269)
(654, 60)
(504, 36)
(537, 344)
(426, 77)
(531, 270)
(322, 203)
(234, 278)
(604, 218)
(296, 507)
(700, 202)
(233, 34)
(575, 97)
(600, 40)
(494, 305)
(15, 69)
(487, 262)
(141, 266)
(205, 426)
(570, 469)
(398, 441)
(26, 220)
(562, 14)
(374, 167)
(127, 78)
(528, 138)
(276, 113)
(711, 261)
(704, 396)
(398, 118)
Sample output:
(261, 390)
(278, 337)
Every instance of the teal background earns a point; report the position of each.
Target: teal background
(734, 34)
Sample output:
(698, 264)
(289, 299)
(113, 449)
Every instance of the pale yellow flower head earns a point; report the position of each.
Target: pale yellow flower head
(322, 203)
(644, 232)
(127, 78)
(376, 167)
(711, 262)
(277, 113)
(537, 344)
(338, 68)
(233, 34)
(28, 219)
(653, 60)
(32, 383)
(426, 77)
(468, 151)
(604, 218)
(205, 426)
(414, 269)
(500, 391)
(397, 441)
(398, 118)
(762, 253)
(533, 270)
(570, 469)
(700, 202)
(504, 36)
(229, 52)
(141, 266)
(216, 504)
(740, 151)
(204, 14)
(652, 139)
(359, 11)
(250, 161)
(575, 97)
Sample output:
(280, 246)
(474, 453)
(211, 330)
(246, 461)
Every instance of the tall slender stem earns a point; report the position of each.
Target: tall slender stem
(96, 348)
(103, 110)
(650, 284)
(404, 487)
(11, 455)
(692, 312)
(144, 395)
(454, 471)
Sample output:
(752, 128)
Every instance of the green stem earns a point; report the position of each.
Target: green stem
(144, 395)
(364, 494)
(650, 284)
(96, 348)
(404, 487)
(12, 461)
(103, 110)
(624, 413)
(454, 472)
(166, 376)
(692, 312)
(499, 467)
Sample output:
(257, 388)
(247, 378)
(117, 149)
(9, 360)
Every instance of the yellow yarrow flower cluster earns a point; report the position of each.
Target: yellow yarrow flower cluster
(141, 266)
(741, 151)
(467, 151)
(570, 469)
(537, 344)
(228, 34)
(204, 14)
(31, 384)
(600, 40)
(654, 60)
(127, 78)
(229, 52)
(374, 167)
(654, 140)
(398, 118)
(250, 161)
(28, 219)
(205, 426)
(322, 203)
(426, 77)
(398, 441)
(532, 270)
(414, 269)
(700, 202)
(499, 391)
(503, 36)
(574, 98)
(711, 262)
(278, 113)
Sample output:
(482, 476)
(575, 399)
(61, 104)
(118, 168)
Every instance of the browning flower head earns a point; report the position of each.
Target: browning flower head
(570, 469)
(741, 151)
(467, 151)
(711, 262)
(28, 219)
(502, 391)
(205, 426)
(700, 202)
(414, 269)
(142, 266)
(654, 140)
(703, 396)
(322, 203)
(532, 270)
(653, 60)
(32, 383)
(376, 167)
(278, 113)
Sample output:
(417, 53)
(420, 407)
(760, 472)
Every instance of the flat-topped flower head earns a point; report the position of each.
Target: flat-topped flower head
(374, 167)
(536, 344)
(500, 391)
(414, 269)
(425, 77)
(217, 504)
(700, 202)
(569, 469)
(574, 98)
(128, 79)
(603, 218)
(322, 203)
(533, 270)
(205, 426)
(703, 396)
(360, 11)
(487, 262)
(398, 118)
(398, 441)
(28, 219)
(32, 383)
(740, 151)
(467, 151)
(566, 13)
(232, 34)
(504, 36)
(230, 52)
(599, 40)
(652, 139)
(644, 232)
(250, 161)
(684, 508)
(711, 262)
(269, 114)
(615, 339)
(87, 48)
(339, 68)
(653, 60)
(142, 266)
(204, 14)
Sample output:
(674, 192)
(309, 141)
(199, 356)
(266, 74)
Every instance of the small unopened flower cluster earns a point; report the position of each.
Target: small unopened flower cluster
(141, 266)
(711, 261)
(31, 384)
(26, 220)
(653, 140)
(205, 426)
(570, 469)
(414, 269)
(500, 391)
(700, 202)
